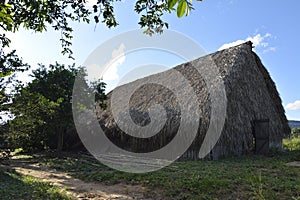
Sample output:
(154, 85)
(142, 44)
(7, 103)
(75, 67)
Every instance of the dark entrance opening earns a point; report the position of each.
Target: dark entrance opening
(261, 136)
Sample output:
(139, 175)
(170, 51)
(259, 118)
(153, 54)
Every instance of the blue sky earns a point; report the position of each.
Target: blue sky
(273, 26)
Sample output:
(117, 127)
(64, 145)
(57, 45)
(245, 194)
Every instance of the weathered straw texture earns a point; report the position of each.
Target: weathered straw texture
(251, 95)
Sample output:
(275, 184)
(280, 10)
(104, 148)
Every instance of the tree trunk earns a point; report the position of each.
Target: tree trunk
(60, 141)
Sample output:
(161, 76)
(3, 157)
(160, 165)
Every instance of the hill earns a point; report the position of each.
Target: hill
(294, 124)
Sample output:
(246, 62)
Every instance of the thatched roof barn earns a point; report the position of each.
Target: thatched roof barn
(255, 118)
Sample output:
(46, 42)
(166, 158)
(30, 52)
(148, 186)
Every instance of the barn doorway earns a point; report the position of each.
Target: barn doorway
(261, 136)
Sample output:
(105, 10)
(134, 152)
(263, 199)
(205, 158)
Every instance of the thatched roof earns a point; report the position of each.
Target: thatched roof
(251, 95)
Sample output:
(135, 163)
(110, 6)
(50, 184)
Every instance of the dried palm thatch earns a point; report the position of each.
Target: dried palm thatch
(251, 95)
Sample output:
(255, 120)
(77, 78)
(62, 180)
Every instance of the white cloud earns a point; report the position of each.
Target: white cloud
(232, 44)
(293, 106)
(118, 58)
(269, 49)
(110, 70)
(258, 41)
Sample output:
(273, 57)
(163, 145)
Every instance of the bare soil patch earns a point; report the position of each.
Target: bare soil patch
(80, 189)
(293, 164)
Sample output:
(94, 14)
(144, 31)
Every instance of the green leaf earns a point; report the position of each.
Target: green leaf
(171, 3)
(7, 5)
(181, 8)
(5, 74)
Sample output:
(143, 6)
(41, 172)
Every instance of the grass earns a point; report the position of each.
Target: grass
(16, 186)
(252, 177)
(292, 143)
(248, 177)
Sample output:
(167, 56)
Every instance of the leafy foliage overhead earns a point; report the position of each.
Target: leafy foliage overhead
(38, 15)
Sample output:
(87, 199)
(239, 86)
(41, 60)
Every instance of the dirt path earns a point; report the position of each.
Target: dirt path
(293, 164)
(84, 190)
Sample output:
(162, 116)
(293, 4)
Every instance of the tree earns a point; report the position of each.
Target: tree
(38, 15)
(43, 110)
(30, 129)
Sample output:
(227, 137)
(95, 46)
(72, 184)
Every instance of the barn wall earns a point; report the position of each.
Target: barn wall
(252, 95)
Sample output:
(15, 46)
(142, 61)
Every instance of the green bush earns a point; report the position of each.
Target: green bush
(296, 131)
(293, 142)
